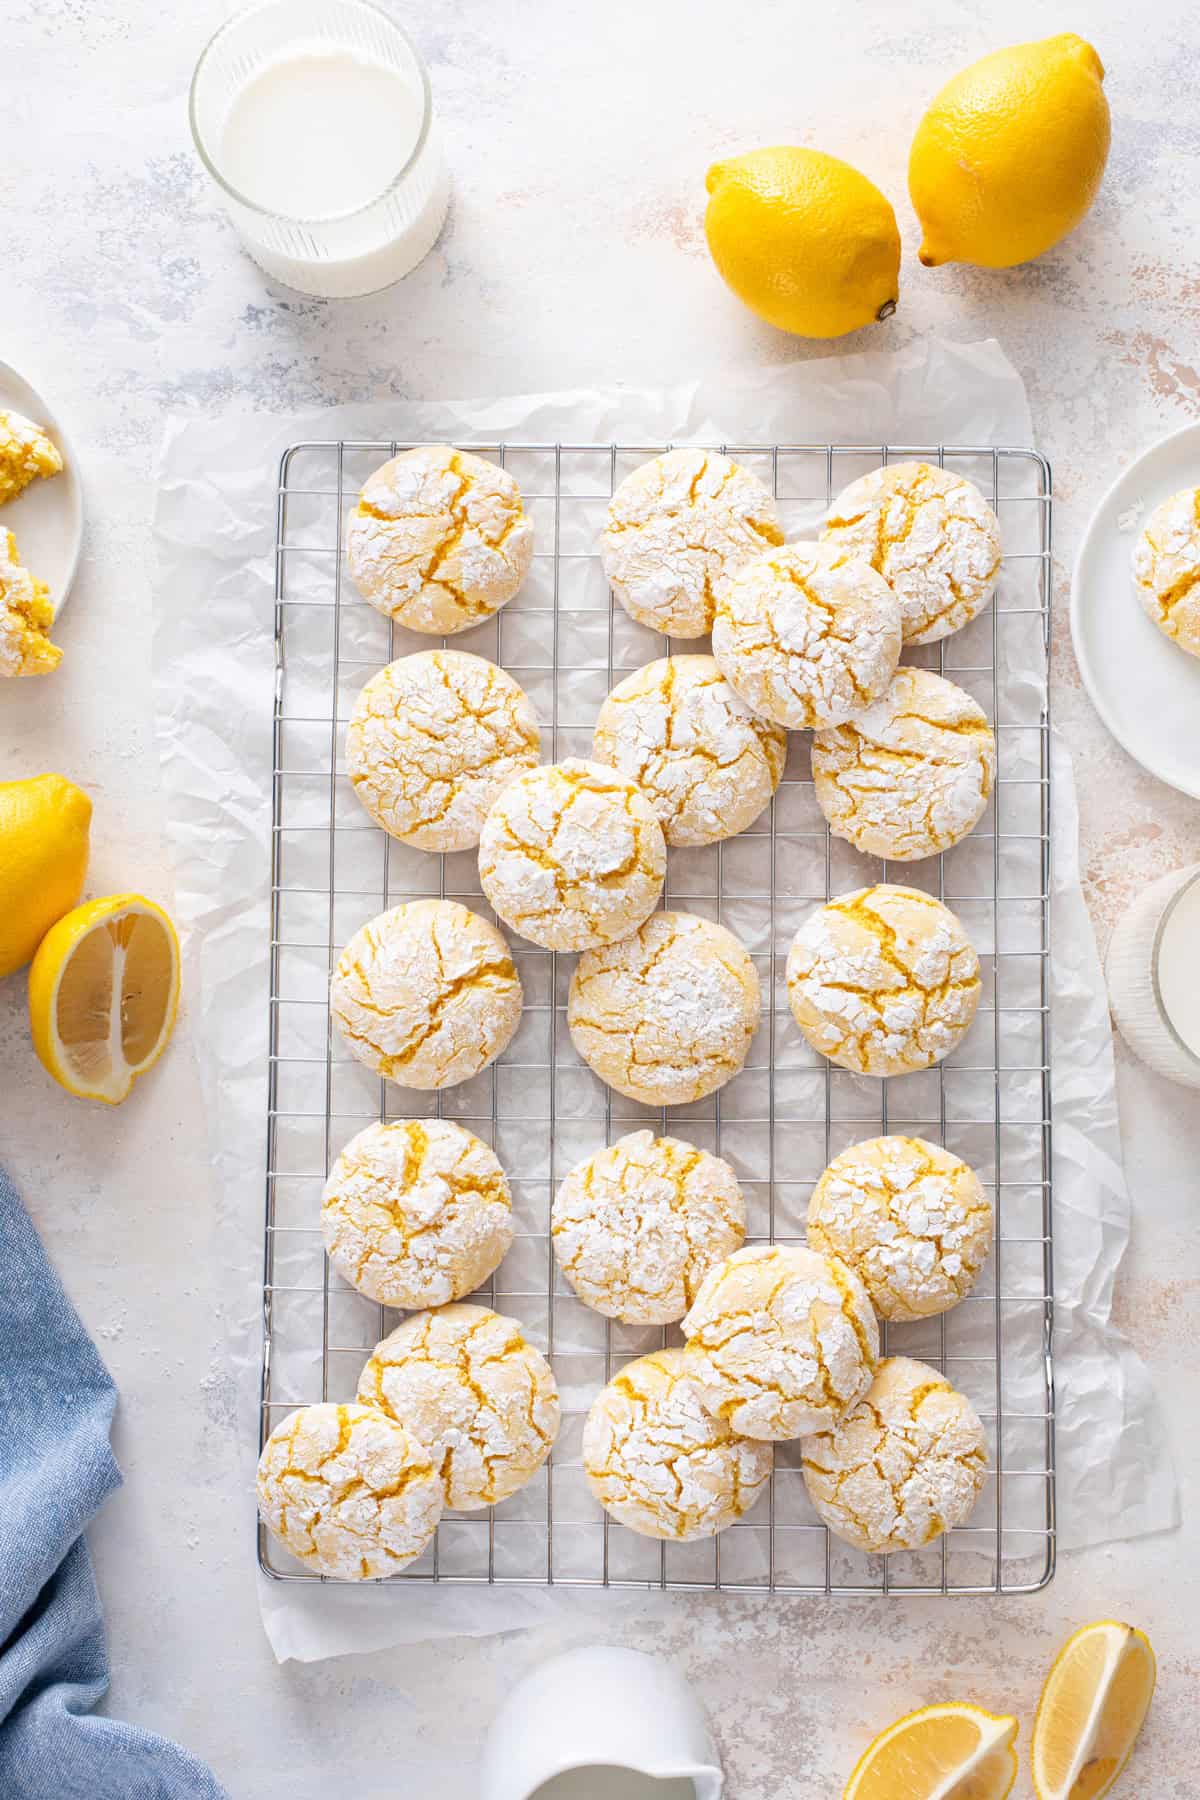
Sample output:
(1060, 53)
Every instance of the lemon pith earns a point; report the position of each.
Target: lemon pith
(1091, 1710)
(954, 1748)
(44, 825)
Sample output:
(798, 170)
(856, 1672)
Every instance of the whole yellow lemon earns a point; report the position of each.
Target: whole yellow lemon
(43, 859)
(1010, 155)
(807, 242)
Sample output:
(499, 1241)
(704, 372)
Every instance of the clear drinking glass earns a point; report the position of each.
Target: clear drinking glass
(1149, 983)
(328, 248)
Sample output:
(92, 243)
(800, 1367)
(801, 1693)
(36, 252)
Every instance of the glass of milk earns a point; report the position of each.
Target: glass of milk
(1153, 970)
(314, 118)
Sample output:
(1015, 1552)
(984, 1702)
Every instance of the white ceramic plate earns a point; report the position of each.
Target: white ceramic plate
(1144, 687)
(47, 519)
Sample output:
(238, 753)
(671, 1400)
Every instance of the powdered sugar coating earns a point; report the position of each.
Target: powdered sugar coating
(439, 539)
(666, 1015)
(677, 529)
(933, 537)
(1166, 569)
(910, 775)
(353, 1494)
(26, 616)
(705, 762)
(807, 635)
(426, 994)
(660, 1462)
(883, 980)
(572, 855)
(781, 1340)
(637, 1227)
(910, 1219)
(905, 1464)
(25, 453)
(484, 1400)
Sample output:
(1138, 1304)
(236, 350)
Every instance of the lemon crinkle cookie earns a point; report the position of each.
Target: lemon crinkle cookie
(807, 635)
(572, 855)
(883, 980)
(931, 534)
(439, 539)
(416, 1212)
(910, 1219)
(350, 1492)
(26, 616)
(909, 775)
(706, 763)
(637, 1226)
(1166, 569)
(432, 740)
(781, 1340)
(25, 453)
(426, 994)
(904, 1465)
(482, 1398)
(677, 528)
(666, 1015)
(659, 1461)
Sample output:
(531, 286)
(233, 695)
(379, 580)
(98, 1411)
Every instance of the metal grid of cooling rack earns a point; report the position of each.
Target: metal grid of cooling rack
(779, 1122)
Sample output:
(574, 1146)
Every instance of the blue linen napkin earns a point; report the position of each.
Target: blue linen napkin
(56, 1467)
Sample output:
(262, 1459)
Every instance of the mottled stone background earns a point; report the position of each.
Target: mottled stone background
(579, 135)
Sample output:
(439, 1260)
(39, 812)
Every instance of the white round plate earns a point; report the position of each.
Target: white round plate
(47, 519)
(1144, 687)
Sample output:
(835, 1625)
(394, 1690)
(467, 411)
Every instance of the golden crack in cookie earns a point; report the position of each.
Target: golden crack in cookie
(905, 1464)
(677, 529)
(416, 1212)
(659, 1461)
(1166, 569)
(351, 1493)
(637, 1226)
(26, 616)
(426, 994)
(481, 1397)
(883, 980)
(781, 1340)
(910, 1219)
(807, 635)
(666, 1015)
(930, 534)
(571, 855)
(706, 763)
(25, 454)
(909, 775)
(439, 539)
(433, 739)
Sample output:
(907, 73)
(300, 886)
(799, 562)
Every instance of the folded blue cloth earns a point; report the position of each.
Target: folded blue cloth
(56, 1467)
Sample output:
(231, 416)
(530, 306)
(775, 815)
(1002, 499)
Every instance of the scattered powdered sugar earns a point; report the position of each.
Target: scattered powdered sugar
(1166, 569)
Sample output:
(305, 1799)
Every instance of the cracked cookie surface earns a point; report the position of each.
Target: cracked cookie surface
(807, 635)
(909, 775)
(933, 537)
(25, 454)
(637, 1227)
(666, 1015)
(781, 1340)
(26, 616)
(883, 980)
(439, 539)
(659, 1461)
(351, 1493)
(910, 1219)
(482, 1398)
(433, 739)
(571, 855)
(416, 1212)
(426, 994)
(706, 763)
(906, 1463)
(677, 528)
(1166, 569)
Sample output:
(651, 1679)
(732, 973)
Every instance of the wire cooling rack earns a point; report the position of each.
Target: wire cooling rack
(779, 1122)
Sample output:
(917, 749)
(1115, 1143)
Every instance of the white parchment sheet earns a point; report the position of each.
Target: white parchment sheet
(214, 675)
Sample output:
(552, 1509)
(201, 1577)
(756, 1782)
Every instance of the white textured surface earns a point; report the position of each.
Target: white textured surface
(132, 299)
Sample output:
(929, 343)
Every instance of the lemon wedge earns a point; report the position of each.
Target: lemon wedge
(1091, 1710)
(948, 1752)
(103, 993)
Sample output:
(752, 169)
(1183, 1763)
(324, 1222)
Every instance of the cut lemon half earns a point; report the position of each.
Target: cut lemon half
(949, 1752)
(103, 993)
(1091, 1710)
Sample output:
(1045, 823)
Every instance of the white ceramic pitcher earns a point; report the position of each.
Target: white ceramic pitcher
(601, 1724)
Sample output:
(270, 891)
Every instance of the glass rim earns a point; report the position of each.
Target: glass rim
(1163, 1011)
(269, 212)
